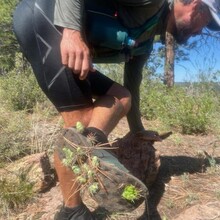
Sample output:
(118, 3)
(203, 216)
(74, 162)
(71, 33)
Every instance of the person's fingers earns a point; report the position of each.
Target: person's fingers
(71, 61)
(78, 63)
(64, 58)
(85, 66)
(75, 53)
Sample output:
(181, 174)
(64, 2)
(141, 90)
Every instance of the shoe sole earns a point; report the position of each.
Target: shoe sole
(112, 175)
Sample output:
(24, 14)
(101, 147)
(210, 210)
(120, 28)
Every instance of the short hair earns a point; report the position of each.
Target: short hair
(186, 2)
(202, 6)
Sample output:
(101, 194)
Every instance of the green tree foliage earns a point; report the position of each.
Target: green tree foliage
(19, 89)
(14, 135)
(14, 194)
(113, 71)
(207, 41)
(188, 109)
(156, 60)
(8, 43)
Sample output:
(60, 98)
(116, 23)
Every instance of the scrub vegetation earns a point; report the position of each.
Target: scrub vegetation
(191, 156)
(189, 110)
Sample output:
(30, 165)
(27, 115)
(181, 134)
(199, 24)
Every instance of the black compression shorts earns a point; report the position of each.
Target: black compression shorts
(40, 42)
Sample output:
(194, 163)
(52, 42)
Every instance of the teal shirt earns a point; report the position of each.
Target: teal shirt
(69, 13)
(131, 13)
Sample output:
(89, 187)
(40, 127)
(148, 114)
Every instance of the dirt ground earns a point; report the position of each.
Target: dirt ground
(187, 186)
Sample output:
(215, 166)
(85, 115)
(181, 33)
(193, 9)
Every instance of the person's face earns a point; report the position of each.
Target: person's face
(188, 20)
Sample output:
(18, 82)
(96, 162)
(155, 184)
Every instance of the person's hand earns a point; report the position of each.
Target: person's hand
(75, 53)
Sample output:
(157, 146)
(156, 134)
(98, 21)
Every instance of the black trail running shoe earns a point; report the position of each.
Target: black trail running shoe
(80, 212)
(116, 189)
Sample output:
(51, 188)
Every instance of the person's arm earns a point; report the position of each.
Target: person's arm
(132, 80)
(69, 14)
(74, 50)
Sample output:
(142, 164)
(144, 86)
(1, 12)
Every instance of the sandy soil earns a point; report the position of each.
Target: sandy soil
(187, 186)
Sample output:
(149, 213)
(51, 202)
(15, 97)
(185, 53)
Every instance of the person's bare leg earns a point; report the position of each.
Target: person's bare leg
(109, 109)
(104, 115)
(71, 117)
(70, 191)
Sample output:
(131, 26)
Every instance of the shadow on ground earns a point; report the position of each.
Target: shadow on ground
(171, 166)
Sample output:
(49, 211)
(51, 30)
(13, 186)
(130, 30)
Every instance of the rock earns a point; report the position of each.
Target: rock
(201, 212)
(36, 168)
(137, 153)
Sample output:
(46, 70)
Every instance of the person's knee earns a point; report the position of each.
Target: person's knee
(123, 95)
(72, 117)
(126, 101)
(119, 106)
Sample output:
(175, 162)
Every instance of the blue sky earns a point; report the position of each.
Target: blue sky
(205, 58)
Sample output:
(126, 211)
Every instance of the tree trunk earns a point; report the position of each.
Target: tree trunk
(169, 61)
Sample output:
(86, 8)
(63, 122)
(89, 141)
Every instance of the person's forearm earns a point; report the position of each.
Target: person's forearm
(132, 81)
(69, 14)
(134, 115)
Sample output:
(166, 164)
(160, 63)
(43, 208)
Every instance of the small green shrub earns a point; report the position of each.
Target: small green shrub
(153, 100)
(86, 171)
(131, 193)
(14, 131)
(113, 71)
(19, 89)
(194, 113)
(14, 194)
(186, 109)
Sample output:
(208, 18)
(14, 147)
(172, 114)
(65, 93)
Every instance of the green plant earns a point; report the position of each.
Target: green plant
(14, 194)
(41, 136)
(22, 134)
(185, 178)
(131, 193)
(214, 167)
(191, 198)
(217, 192)
(188, 110)
(177, 139)
(19, 89)
(195, 112)
(14, 135)
(83, 164)
(212, 162)
(170, 203)
(79, 126)
(86, 168)
(8, 43)
(164, 217)
(113, 71)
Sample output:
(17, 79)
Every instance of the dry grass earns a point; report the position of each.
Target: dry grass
(188, 177)
(189, 174)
